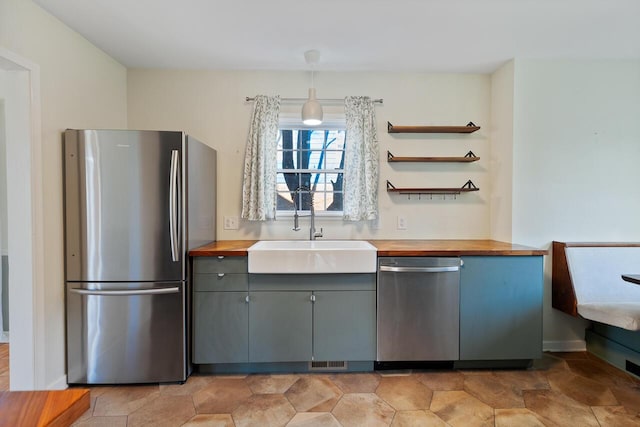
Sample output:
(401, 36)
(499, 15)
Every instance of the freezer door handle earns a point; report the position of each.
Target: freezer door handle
(158, 291)
(419, 269)
(174, 203)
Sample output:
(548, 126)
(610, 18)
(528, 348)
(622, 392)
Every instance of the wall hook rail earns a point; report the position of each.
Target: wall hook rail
(466, 188)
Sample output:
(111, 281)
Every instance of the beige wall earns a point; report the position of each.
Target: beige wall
(576, 147)
(211, 106)
(501, 164)
(81, 87)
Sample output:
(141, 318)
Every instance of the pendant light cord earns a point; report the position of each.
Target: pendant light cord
(313, 84)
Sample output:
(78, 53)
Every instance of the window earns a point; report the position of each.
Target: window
(310, 165)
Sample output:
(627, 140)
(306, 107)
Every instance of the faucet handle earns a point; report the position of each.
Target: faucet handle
(296, 227)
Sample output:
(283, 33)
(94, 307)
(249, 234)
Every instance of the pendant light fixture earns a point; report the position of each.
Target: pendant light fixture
(312, 110)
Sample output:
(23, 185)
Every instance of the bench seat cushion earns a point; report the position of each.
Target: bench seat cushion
(601, 293)
(622, 314)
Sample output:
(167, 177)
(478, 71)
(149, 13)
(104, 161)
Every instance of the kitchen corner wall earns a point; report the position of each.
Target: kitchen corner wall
(501, 161)
(576, 145)
(211, 106)
(80, 87)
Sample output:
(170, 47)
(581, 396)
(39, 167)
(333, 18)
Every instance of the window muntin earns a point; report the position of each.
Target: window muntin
(311, 160)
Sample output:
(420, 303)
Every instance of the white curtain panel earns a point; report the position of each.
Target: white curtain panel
(260, 161)
(361, 160)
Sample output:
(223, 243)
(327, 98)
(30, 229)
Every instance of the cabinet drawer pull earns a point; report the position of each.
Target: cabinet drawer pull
(313, 298)
(246, 299)
(220, 256)
(220, 274)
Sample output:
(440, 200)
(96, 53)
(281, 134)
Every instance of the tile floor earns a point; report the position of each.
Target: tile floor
(562, 389)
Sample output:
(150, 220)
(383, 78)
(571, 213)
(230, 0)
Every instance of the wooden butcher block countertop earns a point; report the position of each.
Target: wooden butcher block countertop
(395, 248)
(452, 248)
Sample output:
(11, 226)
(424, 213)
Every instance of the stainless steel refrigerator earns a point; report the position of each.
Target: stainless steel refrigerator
(135, 203)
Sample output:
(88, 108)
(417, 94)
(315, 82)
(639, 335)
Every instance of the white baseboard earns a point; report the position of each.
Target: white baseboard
(564, 346)
(59, 384)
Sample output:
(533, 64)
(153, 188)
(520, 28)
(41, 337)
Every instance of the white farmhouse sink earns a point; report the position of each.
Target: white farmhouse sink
(312, 256)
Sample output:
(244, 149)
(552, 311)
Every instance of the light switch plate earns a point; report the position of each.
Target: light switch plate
(402, 222)
(230, 223)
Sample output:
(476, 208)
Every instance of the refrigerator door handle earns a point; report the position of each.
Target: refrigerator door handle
(158, 291)
(174, 199)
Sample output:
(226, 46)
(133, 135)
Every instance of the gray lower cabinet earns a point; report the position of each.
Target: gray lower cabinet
(220, 327)
(220, 310)
(344, 325)
(280, 326)
(294, 326)
(501, 307)
(304, 317)
(240, 318)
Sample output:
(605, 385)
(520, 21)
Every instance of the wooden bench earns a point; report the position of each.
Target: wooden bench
(57, 408)
(587, 282)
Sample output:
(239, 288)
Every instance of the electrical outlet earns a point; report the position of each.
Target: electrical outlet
(402, 222)
(230, 223)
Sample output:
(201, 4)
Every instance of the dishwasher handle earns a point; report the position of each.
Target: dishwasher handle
(419, 269)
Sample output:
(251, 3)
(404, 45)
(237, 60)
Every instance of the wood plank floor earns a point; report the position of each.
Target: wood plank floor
(52, 408)
(4, 367)
(38, 408)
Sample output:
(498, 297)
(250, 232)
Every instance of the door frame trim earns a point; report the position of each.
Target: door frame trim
(27, 305)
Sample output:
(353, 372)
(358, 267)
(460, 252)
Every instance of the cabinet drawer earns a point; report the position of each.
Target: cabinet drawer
(221, 264)
(313, 282)
(220, 282)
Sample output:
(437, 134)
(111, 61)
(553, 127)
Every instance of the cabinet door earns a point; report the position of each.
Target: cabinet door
(280, 326)
(344, 325)
(501, 308)
(220, 327)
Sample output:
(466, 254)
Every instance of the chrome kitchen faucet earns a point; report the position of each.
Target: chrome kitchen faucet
(313, 234)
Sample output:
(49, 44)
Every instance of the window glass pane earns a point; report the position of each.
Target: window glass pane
(310, 161)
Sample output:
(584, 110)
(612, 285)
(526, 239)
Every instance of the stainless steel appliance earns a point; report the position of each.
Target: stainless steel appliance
(135, 203)
(418, 309)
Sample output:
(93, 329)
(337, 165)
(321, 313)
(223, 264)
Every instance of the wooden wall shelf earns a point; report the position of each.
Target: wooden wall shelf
(466, 188)
(468, 158)
(469, 128)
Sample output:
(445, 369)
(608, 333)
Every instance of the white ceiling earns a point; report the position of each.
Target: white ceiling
(380, 35)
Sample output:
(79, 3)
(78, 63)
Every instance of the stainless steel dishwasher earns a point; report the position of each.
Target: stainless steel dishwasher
(418, 309)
